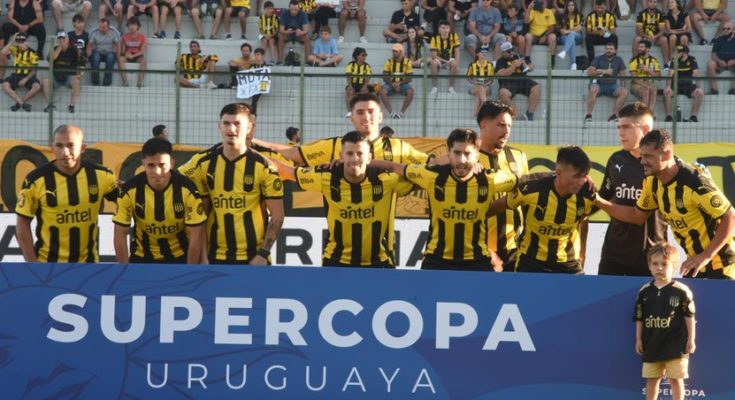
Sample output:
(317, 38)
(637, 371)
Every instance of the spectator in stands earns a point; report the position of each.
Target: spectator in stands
(294, 27)
(103, 46)
(514, 28)
(434, 12)
(240, 63)
(323, 11)
(147, 7)
(651, 26)
(258, 62)
(79, 37)
(480, 75)
(196, 18)
(709, 11)
(293, 134)
(23, 76)
(387, 132)
(241, 8)
(358, 73)
(541, 28)
(400, 21)
(643, 66)
(460, 10)
(687, 70)
(570, 29)
(397, 71)
(26, 17)
(604, 70)
(722, 57)
(117, 10)
(484, 26)
(217, 20)
(193, 65)
(133, 47)
(678, 26)
(64, 56)
(353, 9)
(325, 53)
(171, 6)
(444, 55)
(511, 64)
(600, 28)
(58, 7)
(413, 47)
(503, 5)
(160, 131)
(268, 27)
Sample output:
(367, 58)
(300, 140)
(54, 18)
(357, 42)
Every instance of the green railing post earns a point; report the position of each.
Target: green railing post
(51, 99)
(302, 89)
(675, 95)
(425, 96)
(177, 96)
(549, 58)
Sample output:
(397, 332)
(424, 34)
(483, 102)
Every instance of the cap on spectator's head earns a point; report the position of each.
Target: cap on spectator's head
(20, 37)
(358, 51)
(506, 46)
(397, 47)
(683, 49)
(61, 34)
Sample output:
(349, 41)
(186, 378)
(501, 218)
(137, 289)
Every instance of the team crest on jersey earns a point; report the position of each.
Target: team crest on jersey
(248, 179)
(178, 207)
(93, 190)
(513, 166)
(377, 190)
(716, 201)
(200, 209)
(277, 185)
(674, 301)
(679, 203)
(483, 191)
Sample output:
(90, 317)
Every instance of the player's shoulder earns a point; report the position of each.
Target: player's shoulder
(97, 167)
(645, 286)
(183, 181)
(681, 287)
(694, 176)
(133, 183)
(258, 158)
(38, 173)
(540, 184)
(439, 169)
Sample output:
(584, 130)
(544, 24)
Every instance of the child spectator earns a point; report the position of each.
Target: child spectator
(268, 27)
(325, 52)
(358, 77)
(132, 50)
(79, 37)
(514, 28)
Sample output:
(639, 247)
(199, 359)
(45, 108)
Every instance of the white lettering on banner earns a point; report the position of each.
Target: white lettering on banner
(137, 320)
(415, 324)
(354, 372)
(308, 379)
(244, 377)
(519, 333)
(388, 382)
(224, 320)
(326, 328)
(252, 82)
(423, 381)
(444, 329)
(191, 378)
(56, 311)
(292, 328)
(266, 377)
(169, 323)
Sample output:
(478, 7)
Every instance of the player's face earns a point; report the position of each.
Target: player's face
(462, 159)
(495, 132)
(652, 159)
(355, 157)
(630, 132)
(366, 118)
(68, 149)
(569, 179)
(235, 129)
(660, 267)
(158, 169)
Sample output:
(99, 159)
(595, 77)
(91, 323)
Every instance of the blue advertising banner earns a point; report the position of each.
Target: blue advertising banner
(204, 332)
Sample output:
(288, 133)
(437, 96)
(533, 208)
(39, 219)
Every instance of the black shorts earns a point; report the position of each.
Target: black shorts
(628, 268)
(14, 80)
(371, 88)
(435, 263)
(237, 10)
(162, 4)
(148, 11)
(134, 259)
(528, 264)
(520, 86)
(331, 263)
(679, 35)
(687, 89)
(462, 7)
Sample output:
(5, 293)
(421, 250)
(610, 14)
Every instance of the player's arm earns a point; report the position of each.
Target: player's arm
(583, 229)
(498, 206)
(723, 233)
(25, 238)
(203, 259)
(275, 209)
(389, 166)
(285, 171)
(639, 337)
(197, 241)
(629, 214)
(289, 152)
(120, 241)
(691, 345)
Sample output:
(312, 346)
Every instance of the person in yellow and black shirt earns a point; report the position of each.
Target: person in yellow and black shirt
(397, 72)
(241, 185)
(643, 66)
(651, 26)
(23, 76)
(193, 65)
(699, 214)
(480, 75)
(555, 210)
(358, 73)
(268, 26)
(359, 199)
(444, 55)
(600, 28)
(65, 196)
(687, 69)
(167, 209)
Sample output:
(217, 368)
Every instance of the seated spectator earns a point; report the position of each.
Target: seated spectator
(512, 65)
(323, 11)
(514, 28)
(171, 6)
(570, 29)
(65, 56)
(217, 19)
(240, 63)
(541, 28)
(484, 26)
(83, 7)
(604, 69)
(643, 66)
(117, 10)
(413, 47)
(193, 64)
(460, 10)
(397, 79)
(103, 46)
(353, 9)
(160, 131)
(241, 8)
(358, 73)
(444, 55)
(145, 7)
(293, 134)
(400, 21)
(294, 27)
(678, 26)
(480, 75)
(79, 37)
(504, 5)
(722, 57)
(325, 53)
(268, 27)
(434, 11)
(600, 28)
(708, 11)
(651, 26)
(258, 62)
(687, 71)
(23, 76)
(24, 16)
(133, 47)
(196, 18)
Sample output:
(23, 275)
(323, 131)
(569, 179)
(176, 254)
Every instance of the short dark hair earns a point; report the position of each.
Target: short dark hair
(354, 137)
(259, 51)
(158, 130)
(575, 157)
(237, 109)
(77, 18)
(646, 43)
(659, 139)
(444, 22)
(291, 131)
(600, 2)
(157, 145)
(463, 135)
(246, 44)
(133, 20)
(387, 130)
(363, 97)
(103, 19)
(635, 110)
(194, 42)
(325, 28)
(492, 108)
(267, 4)
(615, 46)
(293, 2)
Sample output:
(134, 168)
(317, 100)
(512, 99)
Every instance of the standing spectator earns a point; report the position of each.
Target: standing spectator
(23, 76)
(58, 7)
(480, 75)
(172, 6)
(541, 28)
(401, 21)
(444, 55)
(240, 63)
(147, 7)
(353, 9)
(160, 131)
(65, 56)
(709, 11)
(687, 70)
(79, 37)
(570, 29)
(460, 10)
(26, 17)
(103, 46)
(512, 65)
(294, 26)
(117, 10)
(241, 8)
(397, 71)
(324, 53)
(293, 135)
(651, 26)
(358, 73)
(268, 27)
(643, 66)
(484, 26)
(323, 11)
(193, 65)
(514, 28)
(722, 57)
(678, 26)
(258, 62)
(133, 47)
(604, 70)
(413, 47)
(600, 29)
(434, 12)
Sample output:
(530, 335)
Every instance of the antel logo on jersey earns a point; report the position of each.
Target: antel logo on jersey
(231, 202)
(460, 213)
(628, 193)
(162, 229)
(357, 212)
(74, 217)
(555, 230)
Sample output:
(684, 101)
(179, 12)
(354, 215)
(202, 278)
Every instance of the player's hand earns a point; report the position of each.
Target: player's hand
(478, 169)
(328, 166)
(690, 347)
(258, 260)
(639, 347)
(496, 262)
(693, 264)
(590, 186)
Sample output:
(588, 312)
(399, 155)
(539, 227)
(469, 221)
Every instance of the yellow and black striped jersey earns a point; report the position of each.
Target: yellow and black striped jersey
(307, 6)
(22, 59)
(358, 214)
(191, 65)
(481, 73)
(273, 155)
(359, 73)
(605, 21)
(445, 47)
(327, 150)
(398, 69)
(649, 61)
(458, 227)
(237, 189)
(692, 205)
(570, 21)
(240, 3)
(551, 222)
(504, 228)
(188, 168)
(651, 21)
(161, 216)
(268, 26)
(66, 210)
